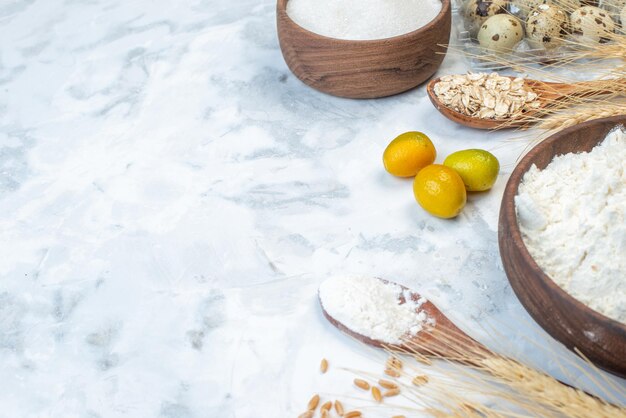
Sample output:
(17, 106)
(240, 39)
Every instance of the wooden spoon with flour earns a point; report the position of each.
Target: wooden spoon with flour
(388, 315)
(385, 314)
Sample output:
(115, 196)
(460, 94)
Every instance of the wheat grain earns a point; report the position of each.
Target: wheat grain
(420, 380)
(394, 363)
(323, 365)
(360, 383)
(391, 392)
(352, 414)
(387, 384)
(307, 414)
(326, 406)
(339, 408)
(315, 400)
(378, 397)
(392, 372)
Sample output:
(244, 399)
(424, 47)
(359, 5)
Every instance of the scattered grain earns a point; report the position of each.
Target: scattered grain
(392, 372)
(387, 384)
(315, 400)
(378, 397)
(352, 414)
(420, 380)
(339, 408)
(394, 363)
(391, 392)
(324, 365)
(326, 406)
(362, 384)
(307, 414)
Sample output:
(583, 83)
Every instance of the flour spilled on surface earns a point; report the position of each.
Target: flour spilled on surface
(372, 308)
(572, 218)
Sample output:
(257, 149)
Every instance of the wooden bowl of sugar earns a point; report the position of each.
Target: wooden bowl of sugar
(579, 327)
(363, 68)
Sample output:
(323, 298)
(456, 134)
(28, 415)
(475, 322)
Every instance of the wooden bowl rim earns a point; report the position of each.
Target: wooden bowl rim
(445, 9)
(510, 216)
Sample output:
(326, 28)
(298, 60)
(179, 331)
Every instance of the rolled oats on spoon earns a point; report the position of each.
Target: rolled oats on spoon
(492, 101)
(486, 96)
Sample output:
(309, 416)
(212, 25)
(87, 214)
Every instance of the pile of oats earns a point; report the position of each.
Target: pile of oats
(486, 96)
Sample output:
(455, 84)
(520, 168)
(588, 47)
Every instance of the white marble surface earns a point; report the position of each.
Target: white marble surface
(171, 196)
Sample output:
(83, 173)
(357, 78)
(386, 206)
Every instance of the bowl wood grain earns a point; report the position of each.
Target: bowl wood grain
(363, 68)
(599, 338)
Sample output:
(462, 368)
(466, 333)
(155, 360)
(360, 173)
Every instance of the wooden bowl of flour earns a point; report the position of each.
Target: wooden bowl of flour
(601, 339)
(364, 68)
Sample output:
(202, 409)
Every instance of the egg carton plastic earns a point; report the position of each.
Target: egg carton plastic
(522, 55)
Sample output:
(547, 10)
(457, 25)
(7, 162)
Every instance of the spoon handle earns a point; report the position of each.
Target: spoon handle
(445, 340)
(556, 91)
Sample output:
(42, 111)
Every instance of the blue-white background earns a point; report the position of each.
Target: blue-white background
(171, 196)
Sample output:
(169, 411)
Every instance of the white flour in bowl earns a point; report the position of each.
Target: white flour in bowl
(362, 19)
(572, 219)
(372, 308)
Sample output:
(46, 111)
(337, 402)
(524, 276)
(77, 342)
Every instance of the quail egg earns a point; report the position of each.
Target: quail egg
(476, 12)
(568, 6)
(500, 33)
(591, 24)
(546, 27)
(522, 8)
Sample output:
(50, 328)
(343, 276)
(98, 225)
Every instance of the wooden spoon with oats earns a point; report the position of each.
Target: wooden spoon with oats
(438, 336)
(499, 104)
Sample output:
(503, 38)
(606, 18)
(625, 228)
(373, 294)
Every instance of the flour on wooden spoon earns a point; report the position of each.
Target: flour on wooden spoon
(375, 309)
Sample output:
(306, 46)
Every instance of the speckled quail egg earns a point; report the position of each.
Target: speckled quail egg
(546, 27)
(522, 8)
(568, 6)
(591, 24)
(476, 12)
(500, 33)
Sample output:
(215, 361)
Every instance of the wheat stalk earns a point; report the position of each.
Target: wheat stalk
(558, 121)
(521, 391)
(562, 120)
(548, 391)
(530, 390)
(604, 61)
